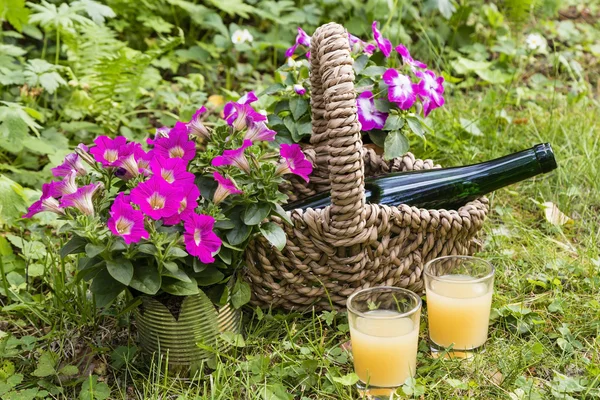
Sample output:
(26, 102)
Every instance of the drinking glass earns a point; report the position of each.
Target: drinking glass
(459, 299)
(384, 330)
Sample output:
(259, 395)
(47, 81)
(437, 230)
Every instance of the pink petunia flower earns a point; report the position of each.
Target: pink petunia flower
(82, 199)
(64, 187)
(196, 127)
(162, 132)
(230, 112)
(302, 39)
(172, 170)
(384, 44)
(407, 59)
(72, 162)
(125, 221)
(177, 144)
(299, 89)
(107, 150)
(368, 115)
(225, 188)
(357, 44)
(431, 90)
(244, 116)
(199, 238)
(45, 203)
(294, 161)
(157, 198)
(143, 159)
(187, 206)
(258, 131)
(127, 159)
(401, 90)
(234, 157)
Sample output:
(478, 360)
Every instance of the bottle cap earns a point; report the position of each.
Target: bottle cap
(545, 156)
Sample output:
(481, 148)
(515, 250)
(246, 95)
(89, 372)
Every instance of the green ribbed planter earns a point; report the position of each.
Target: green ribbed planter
(199, 322)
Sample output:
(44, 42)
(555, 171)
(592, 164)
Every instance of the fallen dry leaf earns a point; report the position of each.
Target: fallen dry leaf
(554, 215)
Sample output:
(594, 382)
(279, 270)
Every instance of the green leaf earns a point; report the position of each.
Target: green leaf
(15, 12)
(256, 212)
(416, 125)
(373, 70)
(91, 389)
(105, 288)
(173, 271)
(298, 106)
(179, 288)
(470, 127)
(209, 276)
(240, 294)
(148, 248)
(282, 213)
(13, 201)
(122, 355)
(146, 279)
(46, 365)
(75, 245)
(378, 137)
(238, 234)
(274, 234)
(396, 145)
(360, 63)
(495, 76)
(233, 339)
(92, 250)
(121, 270)
(68, 370)
(274, 88)
(177, 252)
(346, 380)
(464, 65)
(393, 123)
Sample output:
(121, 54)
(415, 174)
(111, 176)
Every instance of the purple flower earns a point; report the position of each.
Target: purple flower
(431, 90)
(196, 127)
(199, 238)
(157, 198)
(401, 90)
(45, 203)
(225, 188)
(234, 157)
(64, 187)
(82, 198)
(187, 206)
(368, 115)
(357, 44)
(128, 159)
(243, 115)
(258, 131)
(125, 221)
(72, 162)
(177, 144)
(171, 169)
(407, 59)
(384, 44)
(162, 132)
(294, 161)
(107, 150)
(302, 39)
(143, 159)
(299, 89)
(230, 112)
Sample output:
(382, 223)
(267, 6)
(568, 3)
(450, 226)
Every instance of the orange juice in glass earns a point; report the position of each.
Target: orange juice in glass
(384, 329)
(459, 299)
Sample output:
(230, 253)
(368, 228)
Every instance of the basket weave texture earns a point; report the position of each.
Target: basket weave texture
(350, 245)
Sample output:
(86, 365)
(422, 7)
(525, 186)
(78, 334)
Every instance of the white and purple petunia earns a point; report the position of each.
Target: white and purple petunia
(368, 115)
(357, 44)
(299, 89)
(258, 131)
(196, 127)
(157, 198)
(64, 187)
(45, 203)
(431, 90)
(172, 170)
(72, 162)
(188, 203)
(107, 151)
(234, 157)
(177, 144)
(199, 238)
(225, 188)
(230, 112)
(293, 161)
(401, 90)
(407, 58)
(82, 199)
(384, 44)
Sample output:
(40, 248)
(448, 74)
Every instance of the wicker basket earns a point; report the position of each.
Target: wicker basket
(335, 251)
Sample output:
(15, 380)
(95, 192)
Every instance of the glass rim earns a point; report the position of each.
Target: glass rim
(474, 280)
(405, 314)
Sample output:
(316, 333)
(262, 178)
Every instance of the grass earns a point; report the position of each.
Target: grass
(544, 338)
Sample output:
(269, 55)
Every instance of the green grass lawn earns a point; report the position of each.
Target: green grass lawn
(544, 337)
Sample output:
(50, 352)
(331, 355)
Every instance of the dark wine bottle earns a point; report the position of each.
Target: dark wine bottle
(448, 188)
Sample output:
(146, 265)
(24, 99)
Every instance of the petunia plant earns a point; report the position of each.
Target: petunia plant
(174, 215)
(396, 93)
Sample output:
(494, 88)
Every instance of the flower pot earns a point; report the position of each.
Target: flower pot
(186, 338)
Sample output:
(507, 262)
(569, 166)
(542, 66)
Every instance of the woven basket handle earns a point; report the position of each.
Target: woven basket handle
(336, 130)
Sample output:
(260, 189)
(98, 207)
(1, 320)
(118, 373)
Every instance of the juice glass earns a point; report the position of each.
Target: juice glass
(384, 330)
(459, 299)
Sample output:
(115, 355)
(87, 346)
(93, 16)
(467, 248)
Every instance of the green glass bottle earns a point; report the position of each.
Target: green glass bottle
(448, 188)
